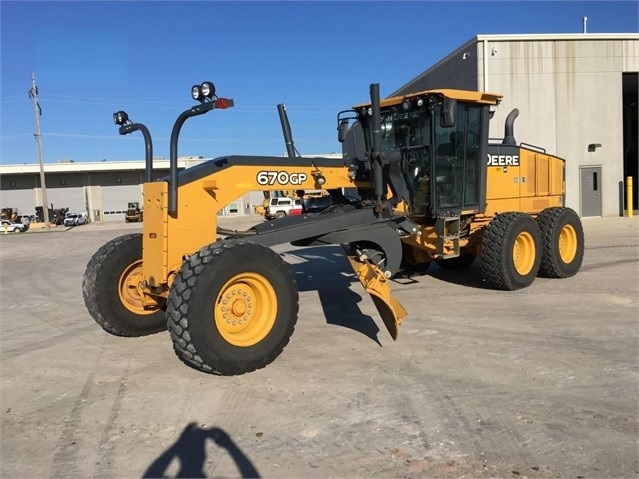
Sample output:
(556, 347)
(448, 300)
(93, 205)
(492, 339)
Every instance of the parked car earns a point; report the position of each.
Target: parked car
(25, 219)
(11, 227)
(75, 219)
(315, 205)
(280, 207)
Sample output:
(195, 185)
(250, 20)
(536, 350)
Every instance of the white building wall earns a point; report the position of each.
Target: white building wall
(568, 89)
(569, 93)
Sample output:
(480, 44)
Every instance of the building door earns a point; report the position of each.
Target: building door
(590, 184)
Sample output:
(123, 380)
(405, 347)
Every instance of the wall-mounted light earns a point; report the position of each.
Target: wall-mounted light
(118, 180)
(593, 147)
(466, 56)
(12, 184)
(494, 51)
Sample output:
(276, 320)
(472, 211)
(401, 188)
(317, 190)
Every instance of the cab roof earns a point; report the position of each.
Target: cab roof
(462, 95)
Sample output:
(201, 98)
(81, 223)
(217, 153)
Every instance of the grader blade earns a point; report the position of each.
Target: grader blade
(376, 284)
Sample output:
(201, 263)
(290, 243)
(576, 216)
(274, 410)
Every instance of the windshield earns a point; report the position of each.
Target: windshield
(401, 129)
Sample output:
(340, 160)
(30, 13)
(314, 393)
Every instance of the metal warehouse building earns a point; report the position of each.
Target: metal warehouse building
(577, 96)
(101, 189)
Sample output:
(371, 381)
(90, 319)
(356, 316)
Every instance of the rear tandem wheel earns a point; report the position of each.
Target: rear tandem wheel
(232, 308)
(562, 239)
(510, 251)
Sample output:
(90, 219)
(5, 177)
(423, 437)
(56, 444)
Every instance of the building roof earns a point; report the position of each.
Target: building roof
(91, 166)
(522, 37)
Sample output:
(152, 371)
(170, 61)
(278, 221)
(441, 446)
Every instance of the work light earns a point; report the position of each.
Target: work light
(208, 89)
(120, 118)
(196, 92)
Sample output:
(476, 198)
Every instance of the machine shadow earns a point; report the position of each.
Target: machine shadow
(325, 269)
(469, 277)
(190, 451)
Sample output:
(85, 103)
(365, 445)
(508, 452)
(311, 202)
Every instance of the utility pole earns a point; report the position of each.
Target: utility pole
(33, 93)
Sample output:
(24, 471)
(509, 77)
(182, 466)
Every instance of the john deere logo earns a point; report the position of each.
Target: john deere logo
(503, 160)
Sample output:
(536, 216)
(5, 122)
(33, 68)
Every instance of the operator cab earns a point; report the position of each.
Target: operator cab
(433, 144)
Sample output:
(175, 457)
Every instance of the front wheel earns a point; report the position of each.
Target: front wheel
(510, 251)
(111, 290)
(232, 308)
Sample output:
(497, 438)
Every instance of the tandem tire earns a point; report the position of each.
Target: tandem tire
(510, 251)
(110, 290)
(562, 241)
(232, 308)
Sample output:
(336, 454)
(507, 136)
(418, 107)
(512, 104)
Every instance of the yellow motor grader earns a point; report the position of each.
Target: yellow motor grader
(433, 188)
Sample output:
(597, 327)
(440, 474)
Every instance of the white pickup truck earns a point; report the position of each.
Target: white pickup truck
(75, 219)
(280, 207)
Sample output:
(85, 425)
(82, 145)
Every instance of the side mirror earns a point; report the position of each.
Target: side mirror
(341, 130)
(447, 118)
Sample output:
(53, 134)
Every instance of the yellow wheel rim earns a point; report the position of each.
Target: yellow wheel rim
(524, 253)
(131, 295)
(245, 309)
(567, 243)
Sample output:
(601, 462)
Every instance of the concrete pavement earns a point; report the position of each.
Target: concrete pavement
(540, 382)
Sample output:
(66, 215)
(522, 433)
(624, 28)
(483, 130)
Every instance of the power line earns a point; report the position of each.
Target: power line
(165, 104)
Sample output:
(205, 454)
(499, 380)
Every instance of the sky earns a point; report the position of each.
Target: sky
(91, 59)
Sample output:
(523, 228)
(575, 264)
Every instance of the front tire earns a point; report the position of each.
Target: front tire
(562, 238)
(232, 308)
(111, 294)
(510, 251)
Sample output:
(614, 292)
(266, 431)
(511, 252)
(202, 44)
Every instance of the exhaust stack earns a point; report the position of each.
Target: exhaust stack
(509, 138)
(286, 130)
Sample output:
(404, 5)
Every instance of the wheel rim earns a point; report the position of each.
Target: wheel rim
(129, 291)
(524, 253)
(245, 309)
(567, 243)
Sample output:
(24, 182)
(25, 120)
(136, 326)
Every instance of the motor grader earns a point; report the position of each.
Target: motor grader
(433, 189)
